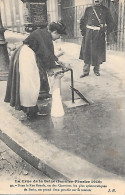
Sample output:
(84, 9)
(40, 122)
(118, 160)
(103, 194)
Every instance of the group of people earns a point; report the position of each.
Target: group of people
(31, 62)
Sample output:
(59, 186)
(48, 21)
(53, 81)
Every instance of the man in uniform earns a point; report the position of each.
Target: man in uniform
(94, 24)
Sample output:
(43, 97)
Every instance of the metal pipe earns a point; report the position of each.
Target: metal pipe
(72, 85)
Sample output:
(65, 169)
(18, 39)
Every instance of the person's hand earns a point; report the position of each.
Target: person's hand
(60, 63)
(82, 33)
(50, 73)
(59, 76)
(64, 65)
(103, 27)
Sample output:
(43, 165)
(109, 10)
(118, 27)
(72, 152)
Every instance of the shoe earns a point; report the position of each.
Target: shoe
(41, 114)
(34, 116)
(97, 73)
(84, 75)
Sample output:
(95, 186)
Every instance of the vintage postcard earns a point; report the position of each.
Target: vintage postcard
(62, 97)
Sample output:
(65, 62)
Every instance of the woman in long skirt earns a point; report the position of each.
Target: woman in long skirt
(28, 65)
(24, 80)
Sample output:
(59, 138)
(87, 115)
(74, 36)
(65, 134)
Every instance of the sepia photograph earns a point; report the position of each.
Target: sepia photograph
(62, 97)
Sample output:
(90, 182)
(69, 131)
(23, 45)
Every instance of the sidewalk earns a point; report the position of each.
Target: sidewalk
(39, 152)
(88, 142)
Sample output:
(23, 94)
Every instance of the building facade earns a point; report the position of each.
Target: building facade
(70, 12)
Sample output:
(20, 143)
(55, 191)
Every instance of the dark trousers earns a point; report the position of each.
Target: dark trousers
(86, 68)
(44, 84)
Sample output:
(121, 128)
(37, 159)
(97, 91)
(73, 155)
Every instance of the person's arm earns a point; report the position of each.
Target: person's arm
(83, 22)
(59, 62)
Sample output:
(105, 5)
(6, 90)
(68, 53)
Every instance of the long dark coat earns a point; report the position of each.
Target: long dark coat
(93, 48)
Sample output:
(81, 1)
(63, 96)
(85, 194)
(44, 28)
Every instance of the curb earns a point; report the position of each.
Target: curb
(32, 160)
(44, 156)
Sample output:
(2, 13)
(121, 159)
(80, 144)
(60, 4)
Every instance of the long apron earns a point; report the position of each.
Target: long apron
(29, 77)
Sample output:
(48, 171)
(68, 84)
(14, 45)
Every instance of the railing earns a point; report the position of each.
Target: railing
(71, 17)
(116, 41)
(12, 18)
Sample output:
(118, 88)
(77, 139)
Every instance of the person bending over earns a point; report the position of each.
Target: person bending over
(28, 68)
